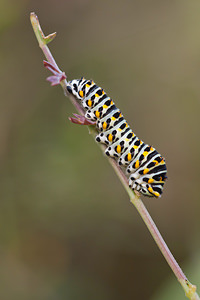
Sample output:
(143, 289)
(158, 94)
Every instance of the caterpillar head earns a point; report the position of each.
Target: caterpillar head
(75, 87)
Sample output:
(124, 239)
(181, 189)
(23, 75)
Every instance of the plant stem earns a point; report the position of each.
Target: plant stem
(190, 289)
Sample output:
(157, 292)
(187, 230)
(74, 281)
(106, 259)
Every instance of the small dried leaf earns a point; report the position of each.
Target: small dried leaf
(81, 120)
(50, 67)
(58, 75)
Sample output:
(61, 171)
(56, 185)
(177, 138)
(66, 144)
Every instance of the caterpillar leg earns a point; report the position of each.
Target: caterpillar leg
(145, 188)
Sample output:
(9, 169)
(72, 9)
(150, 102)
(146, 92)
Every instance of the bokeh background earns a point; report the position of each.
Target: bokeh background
(67, 229)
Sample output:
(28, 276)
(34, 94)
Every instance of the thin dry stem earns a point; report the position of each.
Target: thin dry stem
(190, 289)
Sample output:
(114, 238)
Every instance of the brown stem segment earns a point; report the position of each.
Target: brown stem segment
(189, 288)
(158, 239)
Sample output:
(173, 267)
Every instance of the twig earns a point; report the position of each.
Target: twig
(60, 78)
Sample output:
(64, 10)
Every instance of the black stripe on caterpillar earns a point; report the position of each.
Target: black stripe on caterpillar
(145, 166)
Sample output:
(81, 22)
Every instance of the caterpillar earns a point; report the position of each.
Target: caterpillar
(146, 167)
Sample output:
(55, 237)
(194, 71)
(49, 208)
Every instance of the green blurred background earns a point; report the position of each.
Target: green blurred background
(67, 229)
